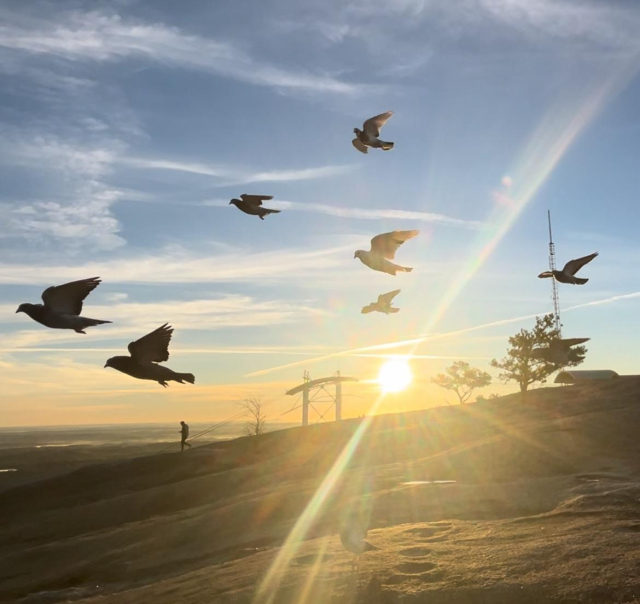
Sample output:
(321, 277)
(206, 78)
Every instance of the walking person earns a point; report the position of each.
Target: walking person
(184, 433)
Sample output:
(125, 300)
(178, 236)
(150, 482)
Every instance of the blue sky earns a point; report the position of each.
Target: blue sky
(127, 126)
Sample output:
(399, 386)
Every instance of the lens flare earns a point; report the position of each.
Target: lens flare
(395, 375)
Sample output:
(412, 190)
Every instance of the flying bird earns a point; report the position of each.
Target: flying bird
(63, 305)
(368, 136)
(383, 249)
(383, 304)
(558, 350)
(146, 353)
(568, 273)
(252, 205)
(352, 537)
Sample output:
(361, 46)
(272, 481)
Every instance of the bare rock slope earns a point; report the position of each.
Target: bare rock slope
(495, 502)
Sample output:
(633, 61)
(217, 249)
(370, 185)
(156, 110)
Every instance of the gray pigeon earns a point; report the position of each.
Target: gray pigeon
(383, 249)
(252, 205)
(145, 354)
(63, 305)
(383, 304)
(558, 350)
(368, 136)
(568, 273)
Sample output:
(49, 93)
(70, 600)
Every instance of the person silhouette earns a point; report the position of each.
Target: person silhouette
(184, 433)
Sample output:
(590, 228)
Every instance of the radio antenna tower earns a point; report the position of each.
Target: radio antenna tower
(554, 284)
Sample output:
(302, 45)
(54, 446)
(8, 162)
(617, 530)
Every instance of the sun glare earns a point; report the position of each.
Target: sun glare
(395, 375)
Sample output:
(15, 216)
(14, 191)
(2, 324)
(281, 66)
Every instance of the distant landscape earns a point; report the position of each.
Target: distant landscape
(33, 453)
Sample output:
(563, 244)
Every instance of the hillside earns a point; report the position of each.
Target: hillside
(545, 507)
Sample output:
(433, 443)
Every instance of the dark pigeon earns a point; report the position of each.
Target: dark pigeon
(146, 353)
(252, 205)
(568, 273)
(63, 305)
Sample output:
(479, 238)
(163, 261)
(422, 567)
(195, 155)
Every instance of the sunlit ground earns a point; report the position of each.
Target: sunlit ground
(395, 375)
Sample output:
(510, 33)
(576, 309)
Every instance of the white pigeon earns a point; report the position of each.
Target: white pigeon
(568, 273)
(252, 205)
(63, 305)
(383, 304)
(368, 136)
(383, 249)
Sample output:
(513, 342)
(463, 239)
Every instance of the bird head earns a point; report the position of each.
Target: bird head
(234, 202)
(23, 308)
(356, 131)
(358, 253)
(110, 362)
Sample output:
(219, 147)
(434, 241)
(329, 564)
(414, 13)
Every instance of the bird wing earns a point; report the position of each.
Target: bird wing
(569, 342)
(154, 347)
(387, 244)
(387, 298)
(573, 266)
(374, 124)
(359, 146)
(255, 200)
(68, 298)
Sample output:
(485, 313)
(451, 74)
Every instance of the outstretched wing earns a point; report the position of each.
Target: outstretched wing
(387, 298)
(387, 244)
(154, 347)
(374, 124)
(540, 353)
(573, 266)
(68, 298)
(359, 146)
(569, 342)
(255, 200)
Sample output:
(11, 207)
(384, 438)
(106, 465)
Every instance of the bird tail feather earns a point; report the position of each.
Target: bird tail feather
(386, 146)
(579, 281)
(187, 377)
(271, 211)
(394, 310)
(92, 322)
(406, 269)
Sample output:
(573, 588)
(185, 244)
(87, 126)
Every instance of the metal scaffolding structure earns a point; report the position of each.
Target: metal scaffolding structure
(318, 387)
(554, 284)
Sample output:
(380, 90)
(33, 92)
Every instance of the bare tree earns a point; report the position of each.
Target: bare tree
(252, 406)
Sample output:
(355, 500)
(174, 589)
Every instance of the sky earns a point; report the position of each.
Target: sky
(127, 126)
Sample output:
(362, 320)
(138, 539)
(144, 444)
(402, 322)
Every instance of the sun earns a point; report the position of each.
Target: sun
(395, 375)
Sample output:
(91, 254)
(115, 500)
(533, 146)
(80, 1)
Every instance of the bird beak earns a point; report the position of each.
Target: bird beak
(230, 202)
(17, 311)
(355, 256)
(105, 365)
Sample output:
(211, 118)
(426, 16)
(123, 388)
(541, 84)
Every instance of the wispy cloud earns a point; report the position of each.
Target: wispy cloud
(376, 214)
(237, 175)
(134, 319)
(97, 36)
(177, 265)
(416, 341)
(604, 24)
(362, 213)
(77, 207)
